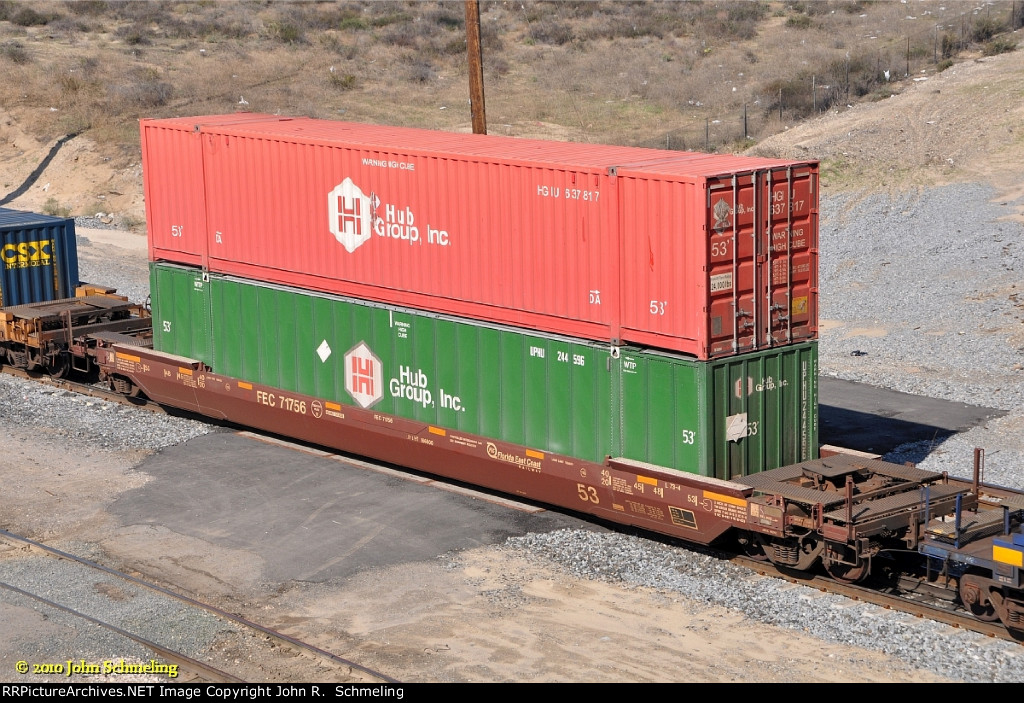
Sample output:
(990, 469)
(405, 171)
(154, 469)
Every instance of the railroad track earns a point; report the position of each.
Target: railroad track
(84, 388)
(915, 598)
(196, 669)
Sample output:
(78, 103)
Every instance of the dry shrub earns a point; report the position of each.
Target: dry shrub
(399, 36)
(799, 22)
(556, 33)
(497, 66)
(87, 8)
(141, 89)
(140, 11)
(447, 17)
(421, 72)
(27, 16)
(135, 34)
(70, 83)
(15, 52)
(286, 32)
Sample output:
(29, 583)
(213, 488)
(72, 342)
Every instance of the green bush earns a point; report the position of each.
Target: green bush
(798, 21)
(342, 81)
(55, 209)
(984, 28)
(999, 46)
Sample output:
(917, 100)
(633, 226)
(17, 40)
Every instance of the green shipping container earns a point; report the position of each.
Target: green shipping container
(724, 418)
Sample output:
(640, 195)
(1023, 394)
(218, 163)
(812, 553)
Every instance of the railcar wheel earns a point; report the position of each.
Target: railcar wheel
(848, 573)
(58, 366)
(753, 548)
(33, 361)
(973, 595)
(985, 613)
(125, 387)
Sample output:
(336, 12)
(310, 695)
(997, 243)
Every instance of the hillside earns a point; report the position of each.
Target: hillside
(964, 124)
(678, 75)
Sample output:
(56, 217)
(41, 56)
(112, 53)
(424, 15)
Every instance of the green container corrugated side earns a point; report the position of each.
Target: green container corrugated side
(724, 418)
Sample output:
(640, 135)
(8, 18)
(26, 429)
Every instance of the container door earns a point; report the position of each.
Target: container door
(789, 267)
(762, 259)
(172, 170)
(761, 410)
(181, 312)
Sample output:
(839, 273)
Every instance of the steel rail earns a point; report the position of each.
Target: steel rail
(209, 672)
(233, 617)
(958, 619)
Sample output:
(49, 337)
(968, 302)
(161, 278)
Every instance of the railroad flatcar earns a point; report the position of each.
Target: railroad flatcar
(707, 255)
(38, 257)
(982, 552)
(56, 336)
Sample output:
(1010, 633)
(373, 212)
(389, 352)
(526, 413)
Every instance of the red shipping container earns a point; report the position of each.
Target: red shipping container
(703, 254)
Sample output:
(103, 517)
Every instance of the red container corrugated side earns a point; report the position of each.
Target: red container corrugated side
(704, 254)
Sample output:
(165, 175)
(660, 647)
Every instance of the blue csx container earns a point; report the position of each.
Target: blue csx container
(38, 257)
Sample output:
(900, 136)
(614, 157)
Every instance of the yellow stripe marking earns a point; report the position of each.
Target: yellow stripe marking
(128, 357)
(725, 499)
(437, 430)
(647, 479)
(246, 386)
(1007, 556)
(183, 370)
(534, 455)
(332, 406)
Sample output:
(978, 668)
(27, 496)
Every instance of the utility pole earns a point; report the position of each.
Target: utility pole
(476, 67)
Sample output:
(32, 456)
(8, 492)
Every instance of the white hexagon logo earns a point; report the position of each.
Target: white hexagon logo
(351, 214)
(364, 375)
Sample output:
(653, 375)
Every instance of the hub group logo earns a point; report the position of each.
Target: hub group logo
(351, 214)
(364, 375)
(354, 217)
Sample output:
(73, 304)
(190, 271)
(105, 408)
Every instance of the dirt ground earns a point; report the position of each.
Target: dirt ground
(490, 616)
